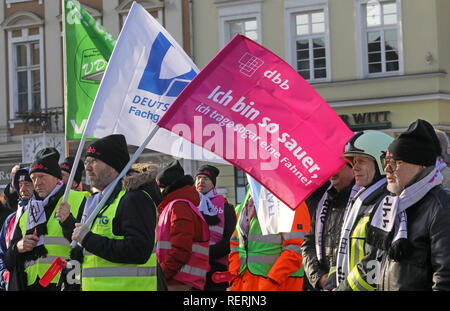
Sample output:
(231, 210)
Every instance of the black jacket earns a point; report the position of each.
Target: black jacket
(315, 269)
(427, 267)
(135, 219)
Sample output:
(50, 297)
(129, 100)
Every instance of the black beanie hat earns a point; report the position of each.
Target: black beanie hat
(46, 161)
(112, 150)
(21, 175)
(208, 170)
(417, 145)
(68, 164)
(170, 174)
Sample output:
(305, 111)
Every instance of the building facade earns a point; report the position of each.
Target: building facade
(31, 75)
(380, 64)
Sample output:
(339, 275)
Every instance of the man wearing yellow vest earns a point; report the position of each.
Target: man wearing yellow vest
(119, 249)
(355, 271)
(45, 228)
(270, 262)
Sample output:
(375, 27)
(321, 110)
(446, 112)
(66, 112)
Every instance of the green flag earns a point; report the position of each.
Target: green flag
(88, 47)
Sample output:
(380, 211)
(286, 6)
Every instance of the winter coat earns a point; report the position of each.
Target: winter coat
(427, 267)
(315, 269)
(4, 274)
(363, 266)
(186, 226)
(135, 219)
(15, 260)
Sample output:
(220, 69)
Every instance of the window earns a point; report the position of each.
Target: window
(158, 15)
(310, 45)
(240, 183)
(307, 41)
(9, 2)
(246, 27)
(381, 38)
(243, 17)
(26, 74)
(154, 7)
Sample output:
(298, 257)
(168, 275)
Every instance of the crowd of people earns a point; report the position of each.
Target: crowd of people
(382, 222)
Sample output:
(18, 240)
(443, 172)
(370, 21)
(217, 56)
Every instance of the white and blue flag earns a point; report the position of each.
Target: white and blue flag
(273, 215)
(146, 72)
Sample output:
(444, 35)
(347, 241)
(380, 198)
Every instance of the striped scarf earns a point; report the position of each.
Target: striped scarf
(350, 216)
(321, 215)
(206, 206)
(390, 215)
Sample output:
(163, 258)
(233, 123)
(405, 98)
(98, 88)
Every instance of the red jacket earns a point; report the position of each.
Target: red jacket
(186, 227)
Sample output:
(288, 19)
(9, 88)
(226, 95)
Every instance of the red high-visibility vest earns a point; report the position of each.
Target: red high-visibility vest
(194, 271)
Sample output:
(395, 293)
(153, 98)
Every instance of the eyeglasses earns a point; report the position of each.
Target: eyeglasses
(393, 164)
(90, 162)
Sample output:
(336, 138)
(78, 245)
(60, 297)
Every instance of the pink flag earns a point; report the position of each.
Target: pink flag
(255, 111)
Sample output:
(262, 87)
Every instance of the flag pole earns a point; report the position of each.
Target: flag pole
(133, 159)
(83, 137)
(72, 173)
(63, 15)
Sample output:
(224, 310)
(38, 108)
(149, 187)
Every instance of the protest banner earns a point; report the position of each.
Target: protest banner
(251, 108)
(146, 72)
(87, 48)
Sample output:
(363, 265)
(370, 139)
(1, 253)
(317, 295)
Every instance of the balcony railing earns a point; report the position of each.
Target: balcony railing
(49, 120)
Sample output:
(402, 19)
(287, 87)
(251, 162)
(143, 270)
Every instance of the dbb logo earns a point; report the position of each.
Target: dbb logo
(275, 76)
(151, 80)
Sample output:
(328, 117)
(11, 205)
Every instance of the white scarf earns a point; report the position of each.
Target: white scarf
(92, 202)
(390, 214)
(440, 164)
(321, 215)
(36, 211)
(343, 255)
(206, 206)
(245, 217)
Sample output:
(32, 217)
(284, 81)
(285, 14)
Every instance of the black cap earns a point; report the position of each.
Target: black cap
(417, 145)
(21, 175)
(112, 150)
(208, 170)
(170, 174)
(67, 165)
(46, 161)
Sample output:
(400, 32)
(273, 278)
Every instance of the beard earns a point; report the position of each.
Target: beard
(395, 188)
(102, 179)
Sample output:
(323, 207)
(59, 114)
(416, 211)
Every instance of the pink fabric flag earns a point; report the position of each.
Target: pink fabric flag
(254, 110)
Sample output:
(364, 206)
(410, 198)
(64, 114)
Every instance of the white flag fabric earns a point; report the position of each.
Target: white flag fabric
(146, 72)
(273, 215)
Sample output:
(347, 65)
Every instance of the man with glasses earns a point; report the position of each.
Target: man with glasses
(411, 225)
(119, 251)
(363, 151)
